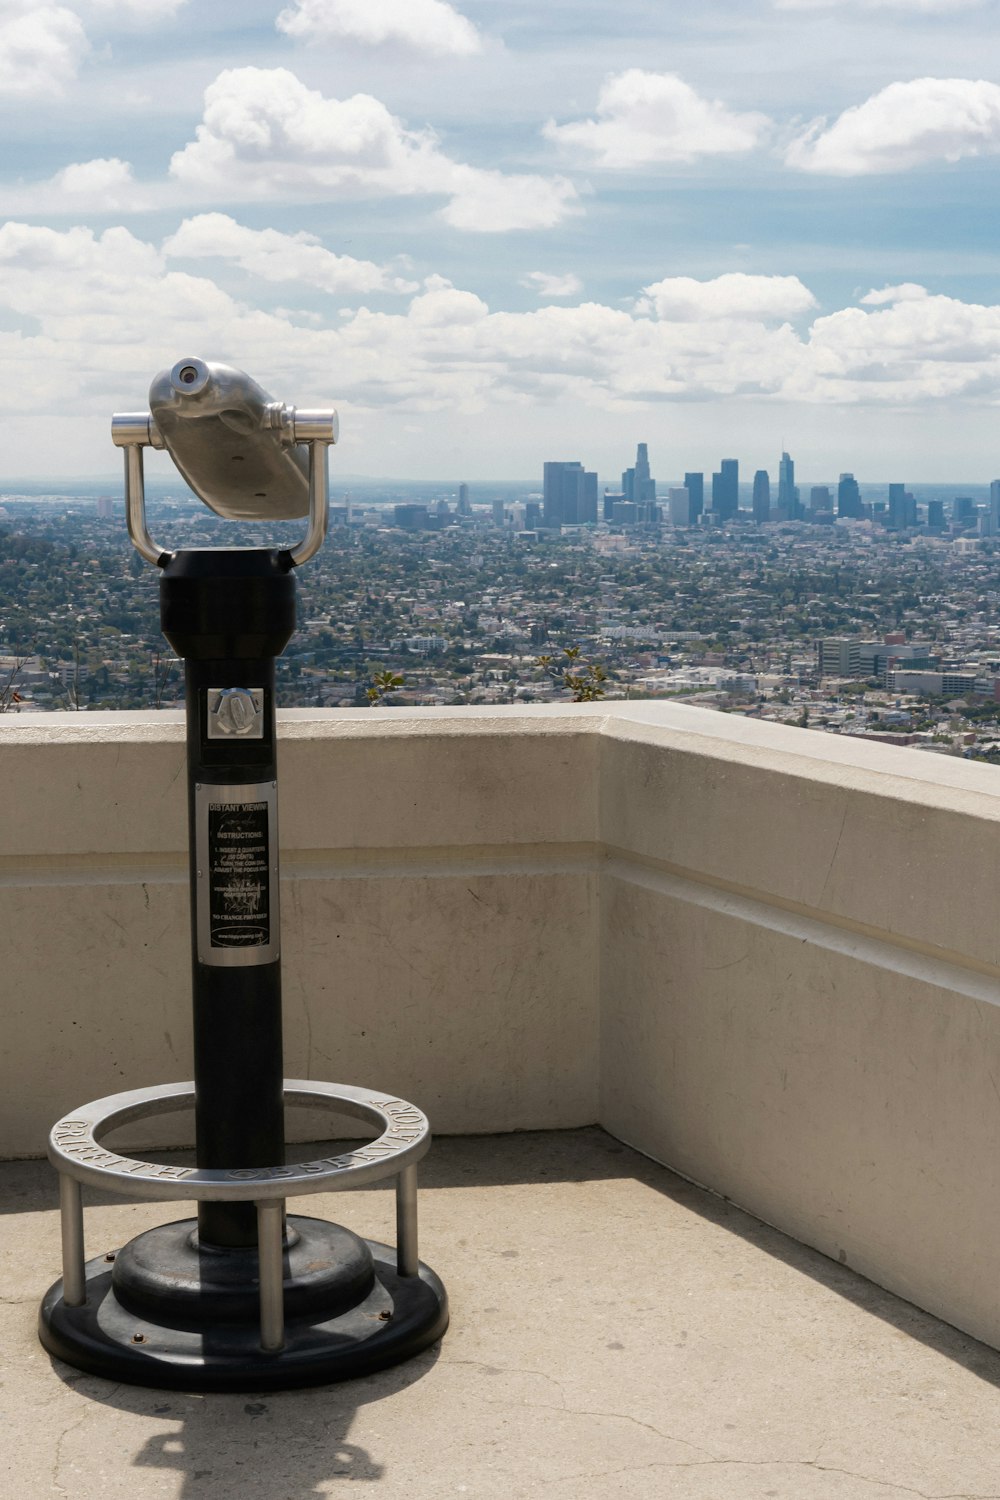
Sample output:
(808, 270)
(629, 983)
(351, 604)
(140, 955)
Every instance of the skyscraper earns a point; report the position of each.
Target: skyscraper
(587, 515)
(562, 485)
(679, 501)
(726, 489)
(902, 509)
(637, 482)
(849, 498)
(788, 495)
(695, 486)
(464, 508)
(761, 496)
(569, 495)
(995, 505)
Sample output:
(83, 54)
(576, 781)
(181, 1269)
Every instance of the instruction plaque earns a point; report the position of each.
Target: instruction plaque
(237, 873)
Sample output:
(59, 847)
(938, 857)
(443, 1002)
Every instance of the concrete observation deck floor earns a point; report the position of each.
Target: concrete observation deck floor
(615, 1332)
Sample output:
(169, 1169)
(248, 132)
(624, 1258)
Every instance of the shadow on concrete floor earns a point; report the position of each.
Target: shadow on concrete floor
(293, 1443)
(584, 1155)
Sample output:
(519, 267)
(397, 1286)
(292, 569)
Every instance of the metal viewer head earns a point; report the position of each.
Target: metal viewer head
(247, 456)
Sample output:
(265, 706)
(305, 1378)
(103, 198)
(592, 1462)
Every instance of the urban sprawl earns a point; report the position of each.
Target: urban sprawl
(852, 608)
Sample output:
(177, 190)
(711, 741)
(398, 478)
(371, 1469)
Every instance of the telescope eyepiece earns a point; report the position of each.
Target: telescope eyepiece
(189, 377)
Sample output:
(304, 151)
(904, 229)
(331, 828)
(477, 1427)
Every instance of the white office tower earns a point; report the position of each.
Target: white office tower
(679, 501)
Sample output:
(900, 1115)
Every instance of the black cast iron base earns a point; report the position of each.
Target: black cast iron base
(168, 1313)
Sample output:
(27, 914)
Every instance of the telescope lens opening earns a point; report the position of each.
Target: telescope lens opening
(189, 375)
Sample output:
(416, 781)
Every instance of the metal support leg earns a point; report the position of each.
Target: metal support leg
(71, 1223)
(407, 1256)
(271, 1251)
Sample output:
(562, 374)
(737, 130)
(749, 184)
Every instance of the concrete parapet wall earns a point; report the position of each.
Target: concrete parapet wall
(439, 914)
(765, 956)
(800, 990)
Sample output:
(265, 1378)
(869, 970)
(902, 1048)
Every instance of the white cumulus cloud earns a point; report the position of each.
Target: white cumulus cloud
(122, 311)
(265, 135)
(904, 125)
(735, 295)
(278, 257)
(41, 48)
(645, 118)
(431, 26)
(548, 285)
(106, 179)
(907, 291)
(916, 348)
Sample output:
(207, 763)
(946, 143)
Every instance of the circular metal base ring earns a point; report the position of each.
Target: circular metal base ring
(401, 1316)
(75, 1146)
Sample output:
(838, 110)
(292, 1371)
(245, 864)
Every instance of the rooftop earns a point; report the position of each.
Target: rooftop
(615, 1332)
(600, 945)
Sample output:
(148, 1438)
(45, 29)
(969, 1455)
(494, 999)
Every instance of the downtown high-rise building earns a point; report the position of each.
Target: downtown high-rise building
(902, 511)
(761, 496)
(695, 486)
(587, 514)
(569, 495)
(726, 490)
(849, 498)
(679, 506)
(788, 495)
(638, 485)
(464, 507)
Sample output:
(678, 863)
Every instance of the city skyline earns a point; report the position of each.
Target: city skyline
(479, 228)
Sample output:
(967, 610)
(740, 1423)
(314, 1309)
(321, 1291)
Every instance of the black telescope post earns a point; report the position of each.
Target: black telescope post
(244, 1297)
(229, 614)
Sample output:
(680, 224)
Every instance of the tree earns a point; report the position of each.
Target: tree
(586, 686)
(585, 680)
(383, 683)
(10, 698)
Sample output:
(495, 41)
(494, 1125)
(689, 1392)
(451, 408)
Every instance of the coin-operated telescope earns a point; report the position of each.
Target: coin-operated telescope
(244, 1297)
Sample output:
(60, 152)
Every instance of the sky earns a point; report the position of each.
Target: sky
(494, 232)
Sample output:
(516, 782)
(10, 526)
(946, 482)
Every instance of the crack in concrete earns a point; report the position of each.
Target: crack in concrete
(717, 968)
(483, 1364)
(621, 1416)
(57, 1456)
(707, 1459)
(836, 851)
(765, 1463)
